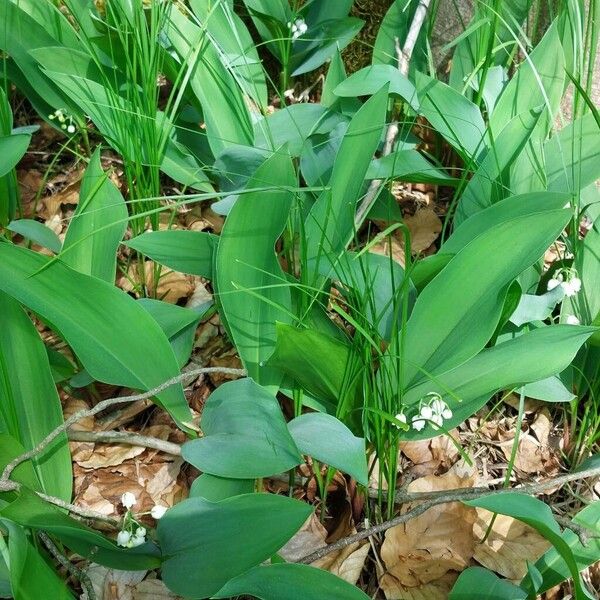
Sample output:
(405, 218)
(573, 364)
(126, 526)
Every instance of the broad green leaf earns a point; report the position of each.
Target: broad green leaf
(573, 156)
(530, 357)
(225, 112)
(538, 515)
(322, 43)
(29, 404)
(330, 223)
(215, 488)
(250, 283)
(536, 308)
(486, 187)
(549, 389)
(31, 575)
(319, 154)
(184, 251)
(236, 48)
(452, 115)
(24, 473)
(37, 233)
(369, 80)
(292, 582)
(97, 227)
(115, 338)
(31, 511)
(205, 547)
(505, 210)
(178, 324)
(291, 126)
(329, 441)
(12, 150)
(407, 165)
(539, 81)
(181, 165)
(427, 268)
(245, 435)
(477, 583)
(553, 567)
(457, 313)
(319, 363)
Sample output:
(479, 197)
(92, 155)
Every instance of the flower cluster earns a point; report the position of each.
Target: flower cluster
(132, 533)
(567, 280)
(298, 28)
(432, 409)
(65, 120)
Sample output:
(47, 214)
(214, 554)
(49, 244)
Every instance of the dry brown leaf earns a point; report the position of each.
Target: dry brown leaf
(347, 563)
(440, 540)
(430, 455)
(153, 589)
(309, 537)
(391, 244)
(436, 590)
(172, 286)
(110, 584)
(425, 227)
(52, 205)
(509, 546)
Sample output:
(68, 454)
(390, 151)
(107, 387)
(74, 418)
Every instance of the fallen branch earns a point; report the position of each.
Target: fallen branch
(123, 437)
(404, 55)
(431, 499)
(7, 485)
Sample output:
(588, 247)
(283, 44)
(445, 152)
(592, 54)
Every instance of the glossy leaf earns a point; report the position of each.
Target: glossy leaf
(328, 440)
(30, 407)
(181, 250)
(477, 583)
(407, 165)
(37, 233)
(292, 582)
(205, 547)
(245, 434)
(97, 227)
(457, 313)
(12, 149)
(215, 488)
(251, 286)
(115, 339)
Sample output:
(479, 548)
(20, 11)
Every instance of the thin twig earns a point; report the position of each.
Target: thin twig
(404, 56)
(75, 571)
(123, 437)
(432, 499)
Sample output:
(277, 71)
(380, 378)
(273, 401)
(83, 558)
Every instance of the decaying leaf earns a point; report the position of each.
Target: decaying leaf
(425, 227)
(348, 563)
(429, 455)
(440, 540)
(172, 286)
(508, 547)
(436, 590)
(308, 538)
(110, 584)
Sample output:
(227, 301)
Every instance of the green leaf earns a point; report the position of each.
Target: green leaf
(178, 324)
(330, 223)
(536, 308)
(477, 583)
(36, 232)
(115, 339)
(245, 434)
(225, 112)
(486, 188)
(250, 283)
(549, 389)
(457, 313)
(552, 565)
(235, 46)
(529, 357)
(538, 515)
(30, 511)
(369, 80)
(27, 560)
(407, 165)
(329, 441)
(215, 488)
(97, 227)
(205, 547)
(184, 251)
(504, 210)
(325, 39)
(12, 150)
(455, 117)
(30, 407)
(318, 362)
(573, 156)
(292, 582)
